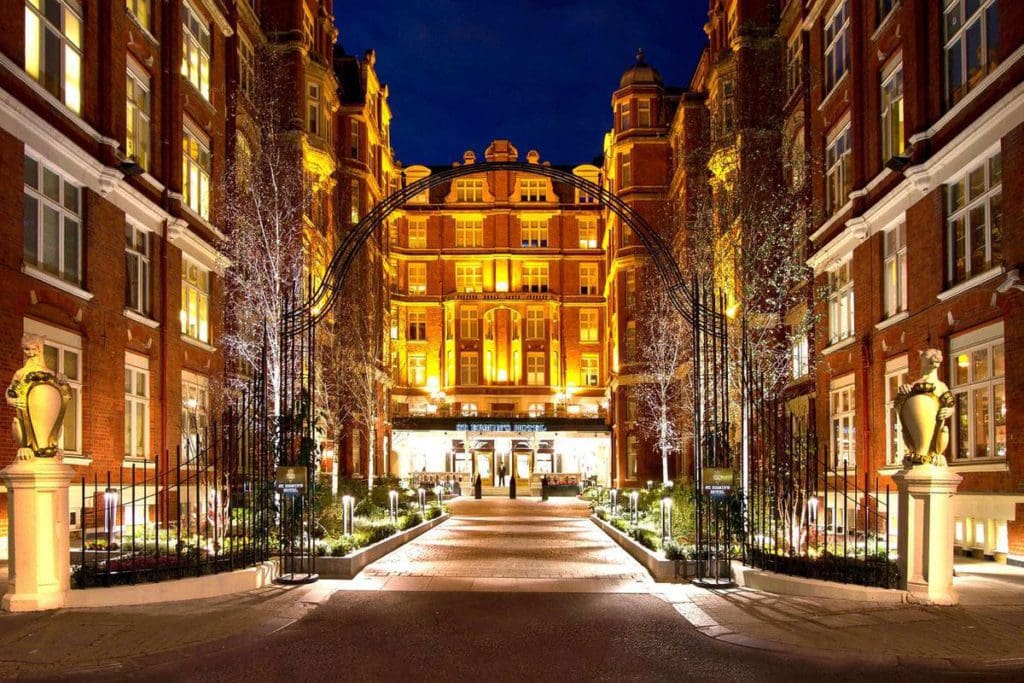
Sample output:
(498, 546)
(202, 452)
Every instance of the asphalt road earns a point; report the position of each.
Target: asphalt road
(473, 636)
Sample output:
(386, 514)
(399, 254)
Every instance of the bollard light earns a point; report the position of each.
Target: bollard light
(110, 513)
(634, 513)
(666, 519)
(437, 492)
(650, 485)
(393, 496)
(347, 508)
(422, 493)
(615, 501)
(812, 508)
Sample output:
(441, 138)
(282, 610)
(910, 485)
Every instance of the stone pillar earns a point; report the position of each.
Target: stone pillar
(37, 511)
(926, 532)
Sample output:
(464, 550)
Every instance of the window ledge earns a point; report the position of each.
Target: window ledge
(971, 283)
(832, 220)
(38, 274)
(835, 88)
(194, 215)
(153, 182)
(988, 465)
(842, 343)
(886, 20)
(135, 22)
(77, 459)
(141, 319)
(892, 320)
(141, 463)
(198, 344)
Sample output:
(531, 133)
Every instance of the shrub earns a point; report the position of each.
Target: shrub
(646, 538)
(411, 520)
(872, 571)
(433, 512)
(673, 551)
(381, 530)
(620, 524)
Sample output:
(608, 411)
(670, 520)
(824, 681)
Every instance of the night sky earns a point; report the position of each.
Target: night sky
(540, 73)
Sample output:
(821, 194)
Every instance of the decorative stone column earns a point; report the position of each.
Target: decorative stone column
(37, 511)
(926, 532)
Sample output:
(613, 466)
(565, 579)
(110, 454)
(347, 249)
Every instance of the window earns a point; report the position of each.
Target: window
(354, 209)
(630, 290)
(842, 416)
(307, 27)
(469, 368)
(137, 270)
(725, 109)
(974, 224)
(884, 7)
(195, 405)
(140, 10)
(631, 455)
(417, 369)
(195, 300)
(979, 391)
(62, 353)
(416, 329)
(643, 113)
(794, 64)
(534, 232)
(471, 190)
(417, 233)
(313, 118)
(468, 410)
(840, 302)
(625, 170)
(469, 323)
(624, 119)
(631, 348)
(195, 56)
(535, 277)
(588, 324)
(837, 45)
(892, 111)
(534, 323)
(195, 171)
(795, 164)
(469, 232)
(588, 232)
(533, 190)
(837, 171)
(53, 48)
(469, 277)
(535, 368)
(588, 278)
(246, 66)
(52, 222)
(537, 410)
(353, 140)
(894, 270)
(896, 375)
(630, 405)
(417, 277)
(136, 407)
(589, 370)
(137, 121)
(799, 356)
(971, 33)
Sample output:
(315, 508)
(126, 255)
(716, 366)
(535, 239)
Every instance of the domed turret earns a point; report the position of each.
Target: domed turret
(640, 73)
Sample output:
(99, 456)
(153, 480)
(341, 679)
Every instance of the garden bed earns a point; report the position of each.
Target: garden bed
(663, 570)
(347, 566)
(783, 584)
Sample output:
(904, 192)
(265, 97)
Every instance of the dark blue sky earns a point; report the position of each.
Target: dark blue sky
(540, 73)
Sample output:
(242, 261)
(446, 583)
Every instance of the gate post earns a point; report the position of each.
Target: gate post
(926, 532)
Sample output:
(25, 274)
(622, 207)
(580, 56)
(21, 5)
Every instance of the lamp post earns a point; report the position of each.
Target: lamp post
(110, 514)
(812, 509)
(666, 519)
(423, 501)
(347, 508)
(634, 513)
(615, 502)
(393, 498)
(437, 493)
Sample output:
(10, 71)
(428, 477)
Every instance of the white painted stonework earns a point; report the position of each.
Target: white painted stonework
(926, 532)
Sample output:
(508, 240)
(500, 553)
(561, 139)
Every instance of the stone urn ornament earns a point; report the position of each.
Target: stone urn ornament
(39, 396)
(923, 407)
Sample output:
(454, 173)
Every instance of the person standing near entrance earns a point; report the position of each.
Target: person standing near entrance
(501, 474)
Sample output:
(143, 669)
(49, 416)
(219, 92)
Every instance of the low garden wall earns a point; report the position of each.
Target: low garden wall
(663, 571)
(771, 582)
(348, 566)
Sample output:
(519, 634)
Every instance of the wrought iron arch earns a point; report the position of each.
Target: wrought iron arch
(682, 293)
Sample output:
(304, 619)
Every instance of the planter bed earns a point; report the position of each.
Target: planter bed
(771, 582)
(348, 566)
(663, 571)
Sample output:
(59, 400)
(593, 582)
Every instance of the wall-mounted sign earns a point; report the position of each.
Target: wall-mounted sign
(500, 427)
(717, 479)
(291, 479)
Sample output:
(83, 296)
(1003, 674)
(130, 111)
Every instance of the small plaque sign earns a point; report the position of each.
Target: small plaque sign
(717, 479)
(291, 479)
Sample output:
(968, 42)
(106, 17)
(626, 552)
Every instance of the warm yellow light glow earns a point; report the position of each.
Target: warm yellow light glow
(731, 311)
(433, 384)
(501, 286)
(502, 375)
(963, 361)
(31, 43)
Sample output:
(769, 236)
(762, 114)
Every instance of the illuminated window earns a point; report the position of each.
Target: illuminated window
(534, 323)
(842, 417)
(139, 9)
(52, 222)
(195, 406)
(468, 410)
(417, 233)
(537, 410)
(974, 223)
(840, 302)
(892, 111)
(307, 26)
(469, 323)
(643, 113)
(799, 359)
(246, 66)
(588, 324)
(625, 170)
(630, 405)
(417, 369)
(894, 270)
(469, 368)
(978, 369)
(416, 329)
(195, 300)
(533, 190)
(630, 290)
(838, 177)
(314, 123)
(535, 277)
(534, 232)
(469, 232)
(53, 48)
(725, 108)
(62, 353)
(195, 57)
(588, 279)
(588, 232)
(469, 277)
(971, 33)
(136, 407)
(417, 276)
(137, 270)
(353, 140)
(837, 45)
(354, 201)
(195, 171)
(896, 375)
(624, 119)
(469, 190)
(535, 368)
(630, 346)
(590, 369)
(631, 455)
(137, 123)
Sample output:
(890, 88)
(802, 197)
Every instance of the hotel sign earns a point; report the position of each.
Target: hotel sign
(500, 427)
(291, 480)
(717, 479)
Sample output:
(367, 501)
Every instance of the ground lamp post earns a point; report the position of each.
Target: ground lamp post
(650, 485)
(347, 508)
(812, 510)
(393, 499)
(437, 493)
(110, 514)
(614, 494)
(423, 501)
(634, 513)
(666, 519)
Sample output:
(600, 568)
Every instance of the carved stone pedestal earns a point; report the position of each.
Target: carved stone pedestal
(926, 532)
(37, 511)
